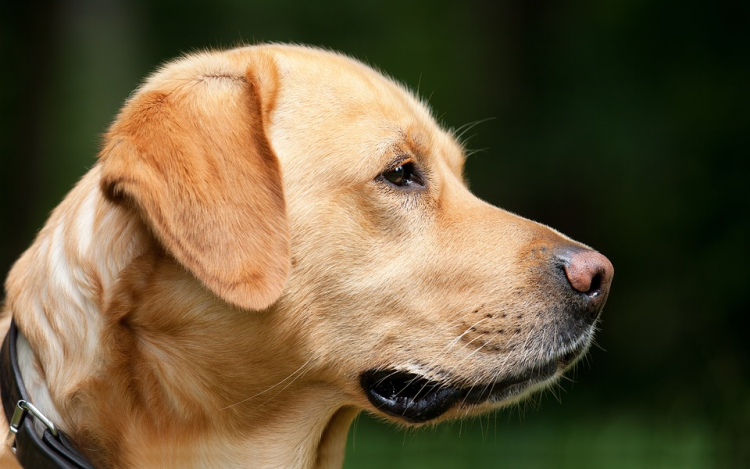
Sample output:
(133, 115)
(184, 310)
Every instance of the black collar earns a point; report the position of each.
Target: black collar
(53, 450)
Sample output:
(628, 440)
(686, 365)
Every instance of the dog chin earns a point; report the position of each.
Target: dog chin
(414, 398)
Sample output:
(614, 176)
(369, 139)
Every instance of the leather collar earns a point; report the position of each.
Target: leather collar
(52, 450)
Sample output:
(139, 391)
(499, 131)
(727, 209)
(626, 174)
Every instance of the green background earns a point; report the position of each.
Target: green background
(624, 124)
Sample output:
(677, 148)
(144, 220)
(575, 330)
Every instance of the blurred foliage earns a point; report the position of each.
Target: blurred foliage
(613, 441)
(621, 123)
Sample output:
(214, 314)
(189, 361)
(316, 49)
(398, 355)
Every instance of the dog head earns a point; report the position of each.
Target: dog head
(303, 186)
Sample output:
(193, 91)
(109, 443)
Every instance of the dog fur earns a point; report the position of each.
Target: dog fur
(211, 290)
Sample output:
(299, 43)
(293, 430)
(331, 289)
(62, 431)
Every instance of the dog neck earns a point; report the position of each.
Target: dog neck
(143, 366)
(54, 292)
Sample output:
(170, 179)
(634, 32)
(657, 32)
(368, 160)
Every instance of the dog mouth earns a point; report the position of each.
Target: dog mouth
(416, 399)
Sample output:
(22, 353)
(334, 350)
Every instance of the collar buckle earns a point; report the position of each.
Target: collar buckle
(23, 408)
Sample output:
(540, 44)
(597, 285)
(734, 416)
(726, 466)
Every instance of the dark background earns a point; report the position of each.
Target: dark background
(622, 123)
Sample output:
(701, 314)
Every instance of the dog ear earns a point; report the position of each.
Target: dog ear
(192, 156)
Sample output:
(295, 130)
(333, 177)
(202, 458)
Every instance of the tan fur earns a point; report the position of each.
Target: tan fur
(209, 293)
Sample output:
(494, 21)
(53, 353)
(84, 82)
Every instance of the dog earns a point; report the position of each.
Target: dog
(273, 239)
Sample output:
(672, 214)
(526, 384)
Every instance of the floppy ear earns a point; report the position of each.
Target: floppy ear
(192, 156)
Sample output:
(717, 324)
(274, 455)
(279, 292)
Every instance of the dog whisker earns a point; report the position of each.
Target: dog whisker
(299, 375)
(459, 132)
(290, 376)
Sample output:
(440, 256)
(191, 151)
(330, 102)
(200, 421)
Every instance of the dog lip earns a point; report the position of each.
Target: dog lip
(408, 396)
(508, 387)
(417, 399)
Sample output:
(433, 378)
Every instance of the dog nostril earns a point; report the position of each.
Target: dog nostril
(588, 272)
(596, 284)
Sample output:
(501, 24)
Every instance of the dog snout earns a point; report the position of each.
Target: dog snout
(589, 274)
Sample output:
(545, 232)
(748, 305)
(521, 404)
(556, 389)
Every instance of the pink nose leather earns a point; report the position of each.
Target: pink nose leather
(589, 272)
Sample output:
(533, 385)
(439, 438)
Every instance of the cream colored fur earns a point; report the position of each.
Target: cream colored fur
(209, 293)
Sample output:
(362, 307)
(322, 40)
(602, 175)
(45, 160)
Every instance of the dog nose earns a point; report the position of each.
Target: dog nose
(588, 273)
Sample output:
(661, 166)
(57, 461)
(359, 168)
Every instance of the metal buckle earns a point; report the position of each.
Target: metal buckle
(22, 408)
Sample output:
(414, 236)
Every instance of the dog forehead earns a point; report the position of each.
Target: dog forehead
(349, 115)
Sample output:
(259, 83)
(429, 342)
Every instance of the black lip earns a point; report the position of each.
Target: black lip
(408, 396)
(416, 399)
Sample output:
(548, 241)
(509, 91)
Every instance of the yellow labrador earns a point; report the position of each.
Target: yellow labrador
(275, 238)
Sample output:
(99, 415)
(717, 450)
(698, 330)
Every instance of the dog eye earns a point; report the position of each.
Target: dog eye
(403, 175)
